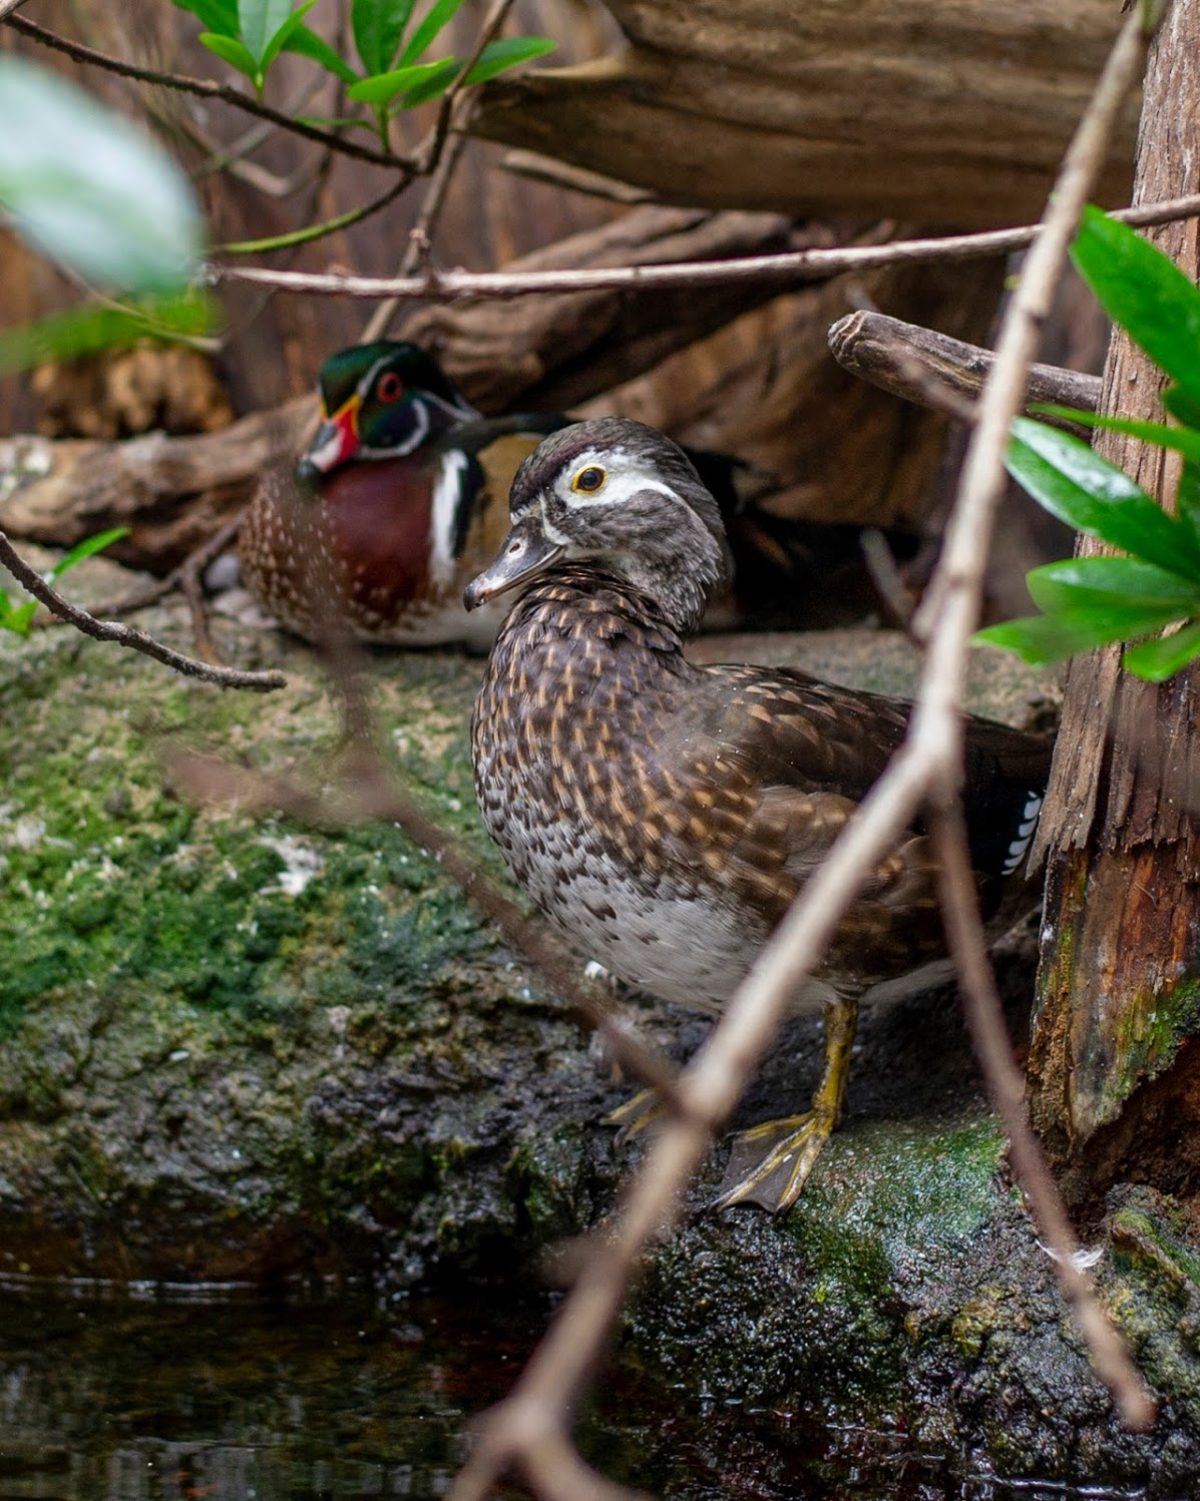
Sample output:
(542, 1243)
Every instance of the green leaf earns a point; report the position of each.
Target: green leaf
(1183, 440)
(1160, 659)
(1067, 479)
(86, 549)
(1084, 584)
(378, 27)
(509, 52)
(385, 86)
(219, 16)
(64, 336)
(18, 618)
(285, 33)
(1187, 500)
(1182, 407)
(89, 188)
(1145, 292)
(1041, 639)
(439, 15)
(308, 44)
(432, 87)
(258, 21)
(235, 53)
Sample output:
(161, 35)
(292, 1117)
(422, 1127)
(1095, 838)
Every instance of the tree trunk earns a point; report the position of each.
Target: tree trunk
(1114, 1073)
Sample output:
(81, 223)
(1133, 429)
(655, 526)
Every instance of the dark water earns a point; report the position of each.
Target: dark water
(129, 1401)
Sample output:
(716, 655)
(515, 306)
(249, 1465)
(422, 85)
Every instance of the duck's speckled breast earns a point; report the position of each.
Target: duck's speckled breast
(578, 693)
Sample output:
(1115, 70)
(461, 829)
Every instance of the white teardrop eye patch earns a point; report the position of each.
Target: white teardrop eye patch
(589, 479)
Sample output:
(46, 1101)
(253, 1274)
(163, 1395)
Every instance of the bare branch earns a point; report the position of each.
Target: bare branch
(444, 153)
(540, 168)
(1006, 1090)
(939, 372)
(205, 88)
(788, 267)
(928, 764)
(124, 635)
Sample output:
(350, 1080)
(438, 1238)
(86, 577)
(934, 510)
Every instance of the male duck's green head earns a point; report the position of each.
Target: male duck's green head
(380, 401)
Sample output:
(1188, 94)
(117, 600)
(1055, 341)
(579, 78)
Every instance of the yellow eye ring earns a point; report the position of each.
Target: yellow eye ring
(589, 479)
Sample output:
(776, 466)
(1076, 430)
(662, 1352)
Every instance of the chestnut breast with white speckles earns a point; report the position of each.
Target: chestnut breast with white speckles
(666, 815)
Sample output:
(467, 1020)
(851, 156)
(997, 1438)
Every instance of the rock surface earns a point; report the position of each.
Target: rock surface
(236, 1048)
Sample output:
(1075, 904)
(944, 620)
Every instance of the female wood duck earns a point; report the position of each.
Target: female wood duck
(401, 498)
(665, 815)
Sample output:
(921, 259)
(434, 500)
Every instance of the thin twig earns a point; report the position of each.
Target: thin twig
(206, 88)
(125, 635)
(316, 231)
(785, 266)
(420, 237)
(1006, 1090)
(928, 763)
(444, 153)
(492, 23)
(885, 576)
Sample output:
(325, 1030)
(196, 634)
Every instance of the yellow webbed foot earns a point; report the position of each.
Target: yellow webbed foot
(769, 1164)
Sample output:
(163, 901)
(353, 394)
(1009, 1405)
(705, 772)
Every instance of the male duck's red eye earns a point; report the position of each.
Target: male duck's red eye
(390, 386)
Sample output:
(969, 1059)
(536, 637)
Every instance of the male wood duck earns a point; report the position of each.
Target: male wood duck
(396, 502)
(401, 498)
(664, 815)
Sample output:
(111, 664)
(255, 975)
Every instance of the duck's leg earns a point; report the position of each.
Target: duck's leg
(769, 1164)
(642, 1110)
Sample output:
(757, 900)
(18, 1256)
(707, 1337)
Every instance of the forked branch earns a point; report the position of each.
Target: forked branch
(125, 635)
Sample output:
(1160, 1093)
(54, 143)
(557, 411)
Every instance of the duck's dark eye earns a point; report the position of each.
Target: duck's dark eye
(589, 479)
(390, 387)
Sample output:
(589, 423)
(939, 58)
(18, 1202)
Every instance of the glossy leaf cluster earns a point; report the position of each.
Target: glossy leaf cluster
(1090, 602)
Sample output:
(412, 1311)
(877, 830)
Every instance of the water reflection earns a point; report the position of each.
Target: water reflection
(324, 1402)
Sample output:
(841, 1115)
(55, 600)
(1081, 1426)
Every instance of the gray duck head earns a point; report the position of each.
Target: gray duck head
(619, 494)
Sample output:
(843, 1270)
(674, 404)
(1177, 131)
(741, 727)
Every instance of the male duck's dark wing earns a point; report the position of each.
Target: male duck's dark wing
(473, 468)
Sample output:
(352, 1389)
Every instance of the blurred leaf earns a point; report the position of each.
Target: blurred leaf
(1082, 584)
(308, 44)
(89, 188)
(1145, 292)
(64, 336)
(1040, 639)
(17, 618)
(86, 549)
(432, 87)
(1065, 477)
(235, 53)
(509, 52)
(1159, 659)
(438, 16)
(219, 16)
(258, 22)
(1182, 407)
(378, 27)
(1183, 440)
(1187, 500)
(285, 33)
(385, 86)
